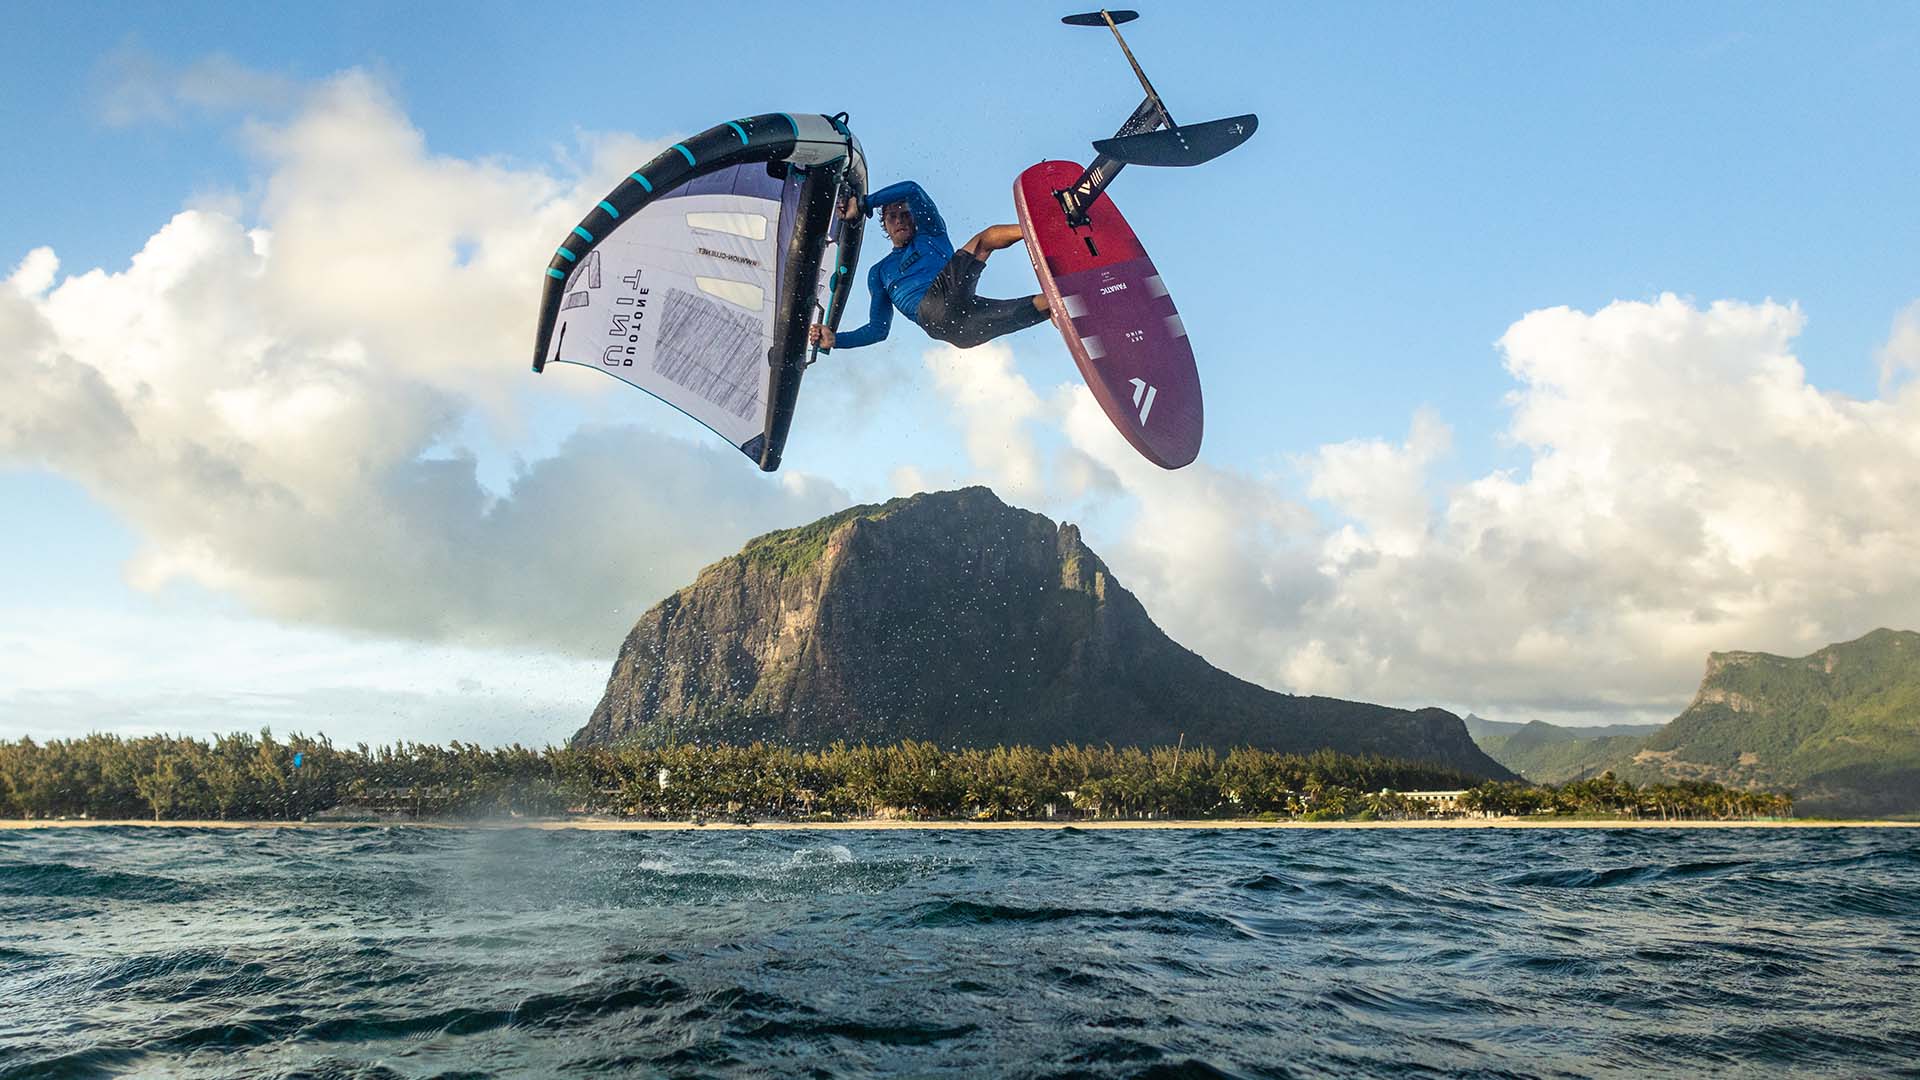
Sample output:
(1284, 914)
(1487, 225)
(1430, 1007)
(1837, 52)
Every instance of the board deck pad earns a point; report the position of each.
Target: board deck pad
(1119, 323)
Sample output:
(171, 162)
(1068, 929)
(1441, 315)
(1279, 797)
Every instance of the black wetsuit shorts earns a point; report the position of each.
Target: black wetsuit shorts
(950, 311)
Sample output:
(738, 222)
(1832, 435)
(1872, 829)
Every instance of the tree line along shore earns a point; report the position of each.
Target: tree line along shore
(243, 777)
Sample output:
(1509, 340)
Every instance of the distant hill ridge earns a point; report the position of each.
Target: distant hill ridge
(1550, 754)
(1478, 726)
(954, 618)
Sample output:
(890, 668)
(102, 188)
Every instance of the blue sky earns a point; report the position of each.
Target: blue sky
(1703, 187)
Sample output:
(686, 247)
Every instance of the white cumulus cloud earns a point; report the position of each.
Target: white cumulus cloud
(996, 407)
(1900, 356)
(273, 400)
(1686, 490)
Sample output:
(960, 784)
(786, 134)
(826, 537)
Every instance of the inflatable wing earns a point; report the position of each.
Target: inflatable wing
(696, 279)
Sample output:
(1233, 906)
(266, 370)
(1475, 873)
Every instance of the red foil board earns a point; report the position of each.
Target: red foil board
(1116, 316)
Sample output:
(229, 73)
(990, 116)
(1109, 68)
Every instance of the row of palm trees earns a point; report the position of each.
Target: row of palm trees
(1607, 795)
(247, 777)
(241, 777)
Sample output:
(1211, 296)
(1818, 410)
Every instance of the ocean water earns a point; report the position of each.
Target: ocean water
(403, 952)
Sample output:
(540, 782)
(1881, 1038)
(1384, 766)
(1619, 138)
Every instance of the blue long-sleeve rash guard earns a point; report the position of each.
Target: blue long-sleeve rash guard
(902, 278)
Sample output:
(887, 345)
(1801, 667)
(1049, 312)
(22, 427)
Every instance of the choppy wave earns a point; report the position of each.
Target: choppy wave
(395, 952)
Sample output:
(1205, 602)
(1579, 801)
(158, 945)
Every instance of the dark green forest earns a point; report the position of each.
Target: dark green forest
(243, 777)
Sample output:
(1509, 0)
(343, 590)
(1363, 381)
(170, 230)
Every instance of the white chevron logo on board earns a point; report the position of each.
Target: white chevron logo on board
(1143, 398)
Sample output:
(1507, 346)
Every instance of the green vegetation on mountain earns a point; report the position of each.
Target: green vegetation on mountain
(791, 551)
(1841, 727)
(1549, 754)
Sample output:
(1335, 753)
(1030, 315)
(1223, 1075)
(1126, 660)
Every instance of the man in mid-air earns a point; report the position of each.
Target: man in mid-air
(929, 282)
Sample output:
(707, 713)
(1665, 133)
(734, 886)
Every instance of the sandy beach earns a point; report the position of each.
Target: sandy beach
(610, 825)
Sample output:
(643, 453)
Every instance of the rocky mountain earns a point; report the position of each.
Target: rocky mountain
(954, 618)
(1840, 728)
